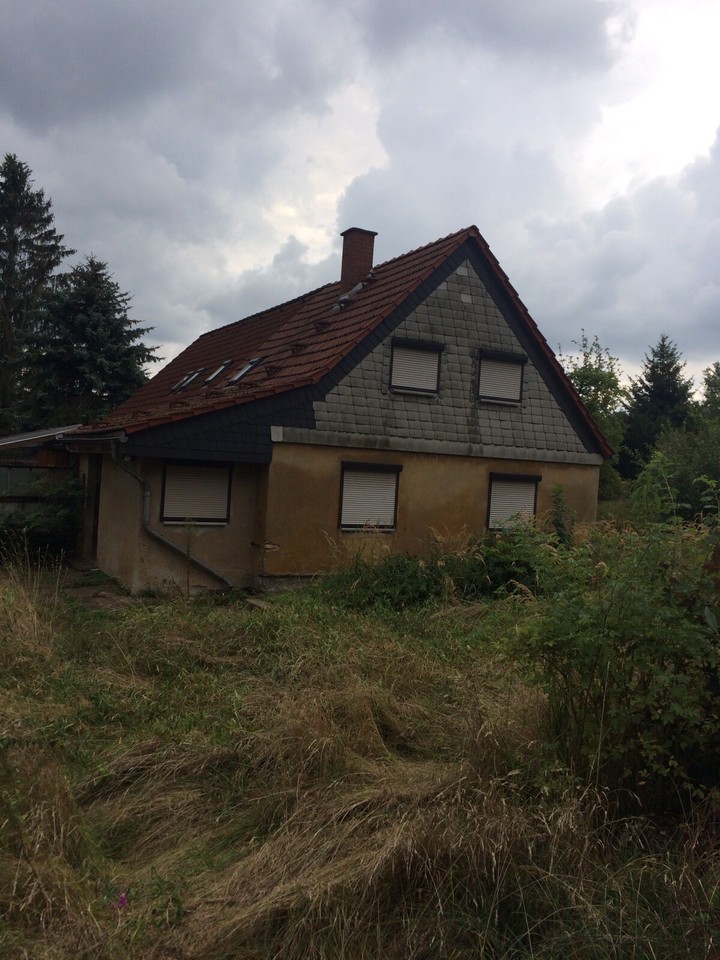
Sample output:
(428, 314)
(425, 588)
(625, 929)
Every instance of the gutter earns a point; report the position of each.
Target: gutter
(158, 537)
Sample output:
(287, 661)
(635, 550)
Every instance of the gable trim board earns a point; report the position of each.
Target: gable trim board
(429, 365)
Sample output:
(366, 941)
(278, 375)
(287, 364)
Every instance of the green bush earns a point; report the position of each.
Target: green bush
(46, 531)
(627, 648)
(481, 568)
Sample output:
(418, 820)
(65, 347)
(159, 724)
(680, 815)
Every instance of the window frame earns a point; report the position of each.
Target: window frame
(526, 479)
(509, 359)
(365, 467)
(418, 346)
(216, 519)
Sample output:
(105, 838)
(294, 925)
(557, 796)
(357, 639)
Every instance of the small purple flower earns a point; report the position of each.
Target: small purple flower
(122, 901)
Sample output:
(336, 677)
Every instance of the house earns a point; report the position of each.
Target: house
(410, 396)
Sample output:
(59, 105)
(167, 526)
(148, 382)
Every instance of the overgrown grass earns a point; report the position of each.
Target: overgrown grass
(331, 779)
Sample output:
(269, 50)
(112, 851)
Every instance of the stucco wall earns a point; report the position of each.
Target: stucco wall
(462, 315)
(127, 552)
(442, 493)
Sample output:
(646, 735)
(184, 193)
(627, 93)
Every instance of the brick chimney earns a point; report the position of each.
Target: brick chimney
(357, 256)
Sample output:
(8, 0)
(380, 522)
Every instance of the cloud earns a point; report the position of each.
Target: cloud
(212, 154)
(643, 265)
(560, 33)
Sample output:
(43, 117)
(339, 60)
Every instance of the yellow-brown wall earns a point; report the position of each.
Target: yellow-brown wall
(126, 551)
(284, 518)
(446, 494)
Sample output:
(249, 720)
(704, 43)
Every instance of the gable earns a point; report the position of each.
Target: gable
(462, 316)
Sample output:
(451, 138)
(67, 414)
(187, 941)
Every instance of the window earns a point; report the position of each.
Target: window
(501, 377)
(195, 494)
(415, 366)
(244, 370)
(368, 495)
(512, 497)
(216, 373)
(187, 380)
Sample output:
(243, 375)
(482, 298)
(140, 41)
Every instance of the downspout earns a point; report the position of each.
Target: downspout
(185, 554)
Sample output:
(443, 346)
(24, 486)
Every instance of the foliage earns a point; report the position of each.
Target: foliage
(85, 317)
(630, 662)
(30, 251)
(668, 486)
(560, 518)
(597, 377)
(46, 531)
(710, 406)
(478, 569)
(660, 399)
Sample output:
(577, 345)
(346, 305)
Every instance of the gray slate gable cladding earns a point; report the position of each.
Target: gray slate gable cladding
(363, 411)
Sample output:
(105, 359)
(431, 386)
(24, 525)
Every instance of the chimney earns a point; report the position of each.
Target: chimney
(357, 256)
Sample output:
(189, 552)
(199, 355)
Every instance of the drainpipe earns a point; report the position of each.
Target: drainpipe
(185, 554)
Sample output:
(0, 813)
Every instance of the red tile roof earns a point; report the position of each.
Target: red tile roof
(299, 342)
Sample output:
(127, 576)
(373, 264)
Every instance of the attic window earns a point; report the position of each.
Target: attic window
(501, 376)
(187, 380)
(244, 370)
(415, 366)
(216, 373)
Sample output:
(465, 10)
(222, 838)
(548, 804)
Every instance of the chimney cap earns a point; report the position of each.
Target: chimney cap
(372, 233)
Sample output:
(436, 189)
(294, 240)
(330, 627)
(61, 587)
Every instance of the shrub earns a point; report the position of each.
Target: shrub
(628, 655)
(46, 531)
(477, 569)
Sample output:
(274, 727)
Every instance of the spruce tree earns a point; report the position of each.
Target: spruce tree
(85, 356)
(660, 399)
(30, 251)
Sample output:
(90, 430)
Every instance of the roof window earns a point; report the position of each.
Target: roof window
(244, 370)
(187, 380)
(216, 373)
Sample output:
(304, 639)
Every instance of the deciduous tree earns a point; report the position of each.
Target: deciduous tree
(597, 377)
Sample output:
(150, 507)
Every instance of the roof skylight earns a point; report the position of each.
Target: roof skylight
(216, 373)
(186, 380)
(244, 370)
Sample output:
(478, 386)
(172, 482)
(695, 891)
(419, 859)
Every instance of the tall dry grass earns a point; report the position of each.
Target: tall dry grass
(205, 780)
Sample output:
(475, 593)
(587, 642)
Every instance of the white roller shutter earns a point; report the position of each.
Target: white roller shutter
(500, 380)
(511, 499)
(414, 369)
(368, 498)
(196, 493)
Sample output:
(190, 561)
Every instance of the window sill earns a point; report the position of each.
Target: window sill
(414, 392)
(195, 523)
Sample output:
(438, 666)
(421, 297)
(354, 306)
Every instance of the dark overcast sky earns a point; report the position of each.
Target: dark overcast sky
(212, 153)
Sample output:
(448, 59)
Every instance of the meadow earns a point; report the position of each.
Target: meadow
(508, 750)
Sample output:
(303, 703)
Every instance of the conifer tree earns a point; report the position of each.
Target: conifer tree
(30, 251)
(660, 399)
(86, 355)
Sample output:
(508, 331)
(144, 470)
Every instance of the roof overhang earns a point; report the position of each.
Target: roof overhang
(37, 437)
